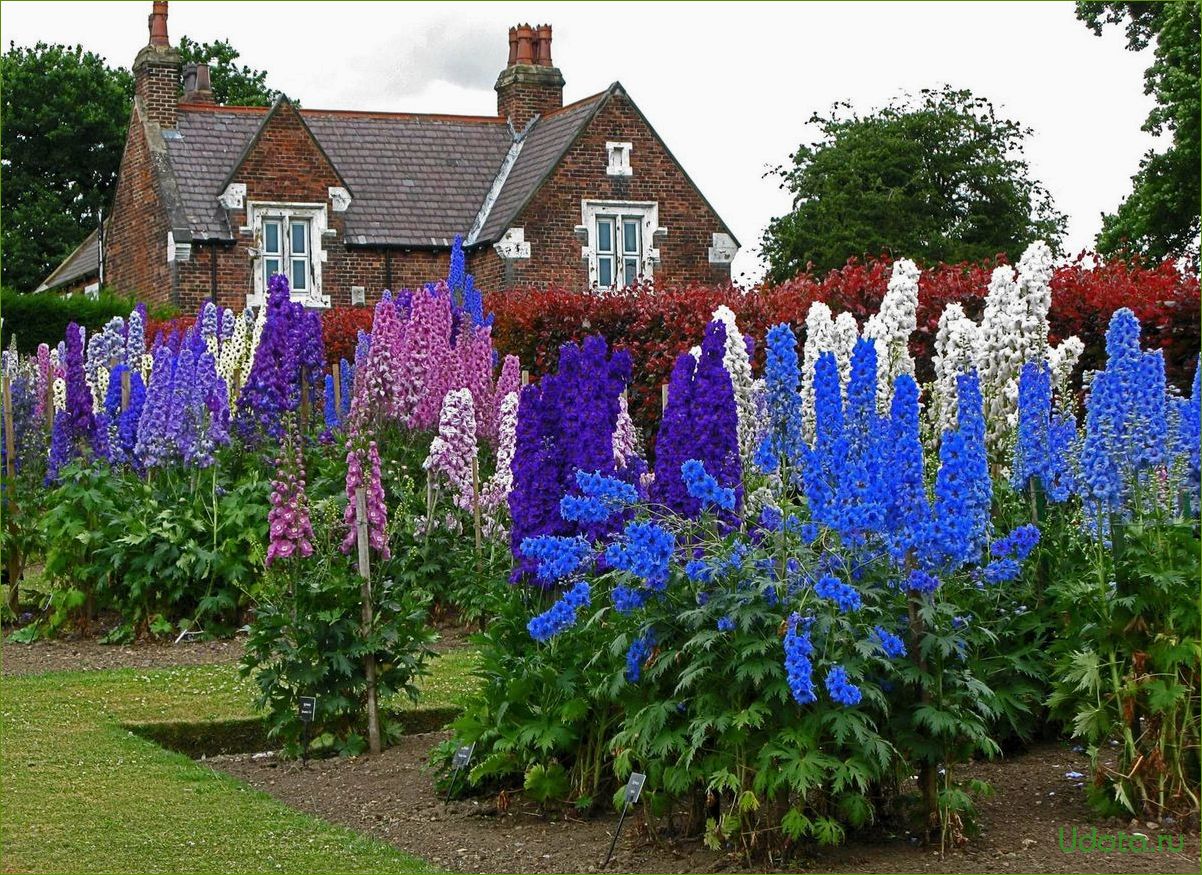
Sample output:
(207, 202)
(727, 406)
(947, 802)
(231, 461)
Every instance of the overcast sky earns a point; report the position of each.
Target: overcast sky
(728, 86)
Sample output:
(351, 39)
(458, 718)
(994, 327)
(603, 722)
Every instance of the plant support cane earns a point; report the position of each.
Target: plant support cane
(369, 661)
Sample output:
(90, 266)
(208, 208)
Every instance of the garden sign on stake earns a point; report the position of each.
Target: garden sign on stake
(459, 762)
(634, 787)
(306, 711)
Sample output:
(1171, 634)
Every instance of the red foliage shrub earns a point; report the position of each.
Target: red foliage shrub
(340, 328)
(166, 327)
(1165, 301)
(656, 325)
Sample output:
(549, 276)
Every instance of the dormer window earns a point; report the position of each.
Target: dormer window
(619, 159)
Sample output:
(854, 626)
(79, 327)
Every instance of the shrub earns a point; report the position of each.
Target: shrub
(43, 317)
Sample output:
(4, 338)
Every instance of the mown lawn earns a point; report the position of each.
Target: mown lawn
(81, 794)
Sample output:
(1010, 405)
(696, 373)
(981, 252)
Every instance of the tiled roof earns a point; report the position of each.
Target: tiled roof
(544, 146)
(203, 150)
(83, 262)
(415, 180)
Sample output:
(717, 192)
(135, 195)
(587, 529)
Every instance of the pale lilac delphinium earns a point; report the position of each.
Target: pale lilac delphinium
(453, 450)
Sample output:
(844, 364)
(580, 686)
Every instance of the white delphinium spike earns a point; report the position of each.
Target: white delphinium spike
(847, 332)
(955, 354)
(1035, 293)
(1062, 361)
(738, 365)
(1000, 354)
(891, 328)
(820, 338)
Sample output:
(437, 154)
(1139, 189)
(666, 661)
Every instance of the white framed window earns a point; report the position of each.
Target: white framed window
(288, 241)
(618, 237)
(619, 159)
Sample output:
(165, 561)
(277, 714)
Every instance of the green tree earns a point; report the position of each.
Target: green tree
(1161, 215)
(939, 177)
(63, 123)
(64, 117)
(233, 85)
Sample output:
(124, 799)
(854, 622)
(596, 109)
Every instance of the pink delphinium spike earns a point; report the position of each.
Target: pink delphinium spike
(290, 531)
(377, 508)
(473, 349)
(431, 359)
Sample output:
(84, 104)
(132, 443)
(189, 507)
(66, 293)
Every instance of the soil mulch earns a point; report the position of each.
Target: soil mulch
(88, 654)
(392, 797)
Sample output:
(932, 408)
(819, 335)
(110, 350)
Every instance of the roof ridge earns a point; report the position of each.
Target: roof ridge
(348, 113)
(434, 116)
(576, 103)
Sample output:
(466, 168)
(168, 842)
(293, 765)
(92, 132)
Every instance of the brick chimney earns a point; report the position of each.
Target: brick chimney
(530, 83)
(197, 88)
(156, 70)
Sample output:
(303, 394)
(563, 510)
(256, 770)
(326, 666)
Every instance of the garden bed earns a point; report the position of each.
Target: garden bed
(88, 654)
(392, 797)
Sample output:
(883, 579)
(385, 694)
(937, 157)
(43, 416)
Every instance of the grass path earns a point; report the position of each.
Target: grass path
(81, 794)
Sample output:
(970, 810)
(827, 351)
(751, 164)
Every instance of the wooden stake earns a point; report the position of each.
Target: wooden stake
(663, 396)
(125, 390)
(338, 389)
(9, 443)
(369, 661)
(304, 405)
(525, 378)
(476, 506)
(49, 403)
(13, 555)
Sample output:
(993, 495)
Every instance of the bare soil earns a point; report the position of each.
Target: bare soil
(392, 797)
(88, 654)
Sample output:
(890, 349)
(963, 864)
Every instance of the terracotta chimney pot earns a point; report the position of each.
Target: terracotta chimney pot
(543, 58)
(525, 52)
(158, 24)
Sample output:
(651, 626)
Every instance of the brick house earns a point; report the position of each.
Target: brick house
(211, 200)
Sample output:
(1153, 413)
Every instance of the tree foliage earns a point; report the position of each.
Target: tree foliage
(233, 85)
(64, 113)
(65, 116)
(1161, 215)
(937, 177)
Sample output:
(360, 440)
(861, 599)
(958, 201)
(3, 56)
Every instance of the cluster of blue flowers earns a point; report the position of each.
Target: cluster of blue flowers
(602, 497)
(637, 655)
(890, 643)
(1019, 543)
(1134, 428)
(799, 670)
(1044, 438)
(561, 615)
(645, 550)
(783, 440)
(840, 687)
(726, 623)
(705, 488)
(921, 581)
(845, 596)
(557, 556)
